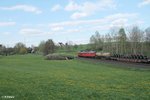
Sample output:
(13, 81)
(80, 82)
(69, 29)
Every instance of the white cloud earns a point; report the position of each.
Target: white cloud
(56, 8)
(103, 24)
(76, 23)
(73, 30)
(3, 24)
(78, 15)
(88, 8)
(139, 22)
(72, 6)
(143, 3)
(121, 22)
(30, 31)
(119, 18)
(121, 15)
(5, 33)
(82, 26)
(56, 28)
(26, 8)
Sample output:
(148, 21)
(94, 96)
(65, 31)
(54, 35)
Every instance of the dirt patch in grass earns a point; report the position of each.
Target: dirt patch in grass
(118, 63)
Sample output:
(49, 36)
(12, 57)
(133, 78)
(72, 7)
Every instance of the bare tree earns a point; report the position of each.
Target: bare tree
(135, 36)
(97, 41)
(61, 44)
(114, 35)
(69, 45)
(108, 43)
(147, 31)
(147, 41)
(92, 42)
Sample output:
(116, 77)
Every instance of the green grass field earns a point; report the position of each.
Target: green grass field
(30, 77)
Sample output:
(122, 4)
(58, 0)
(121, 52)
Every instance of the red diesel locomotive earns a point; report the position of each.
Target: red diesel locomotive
(88, 54)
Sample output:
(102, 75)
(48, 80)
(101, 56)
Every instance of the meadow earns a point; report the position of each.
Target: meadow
(30, 77)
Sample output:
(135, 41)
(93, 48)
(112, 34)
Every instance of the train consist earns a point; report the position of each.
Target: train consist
(126, 58)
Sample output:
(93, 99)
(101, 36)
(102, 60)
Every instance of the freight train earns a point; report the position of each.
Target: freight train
(136, 58)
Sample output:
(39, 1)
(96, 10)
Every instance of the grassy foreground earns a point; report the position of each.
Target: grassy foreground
(30, 77)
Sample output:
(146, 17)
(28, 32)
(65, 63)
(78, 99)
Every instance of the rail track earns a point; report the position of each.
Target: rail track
(117, 63)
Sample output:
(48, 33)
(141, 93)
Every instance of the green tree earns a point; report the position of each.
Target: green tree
(122, 40)
(22, 51)
(49, 47)
(75, 46)
(20, 48)
(3, 50)
(41, 46)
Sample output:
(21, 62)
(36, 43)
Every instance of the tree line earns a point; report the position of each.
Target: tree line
(20, 48)
(44, 48)
(117, 41)
(121, 41)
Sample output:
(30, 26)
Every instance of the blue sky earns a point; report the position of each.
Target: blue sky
(31, 21)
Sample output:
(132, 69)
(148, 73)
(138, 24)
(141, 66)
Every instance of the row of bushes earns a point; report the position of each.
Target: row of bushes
(58, 57)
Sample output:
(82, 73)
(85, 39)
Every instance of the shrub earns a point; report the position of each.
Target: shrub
(58, 57)
(22, 51)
